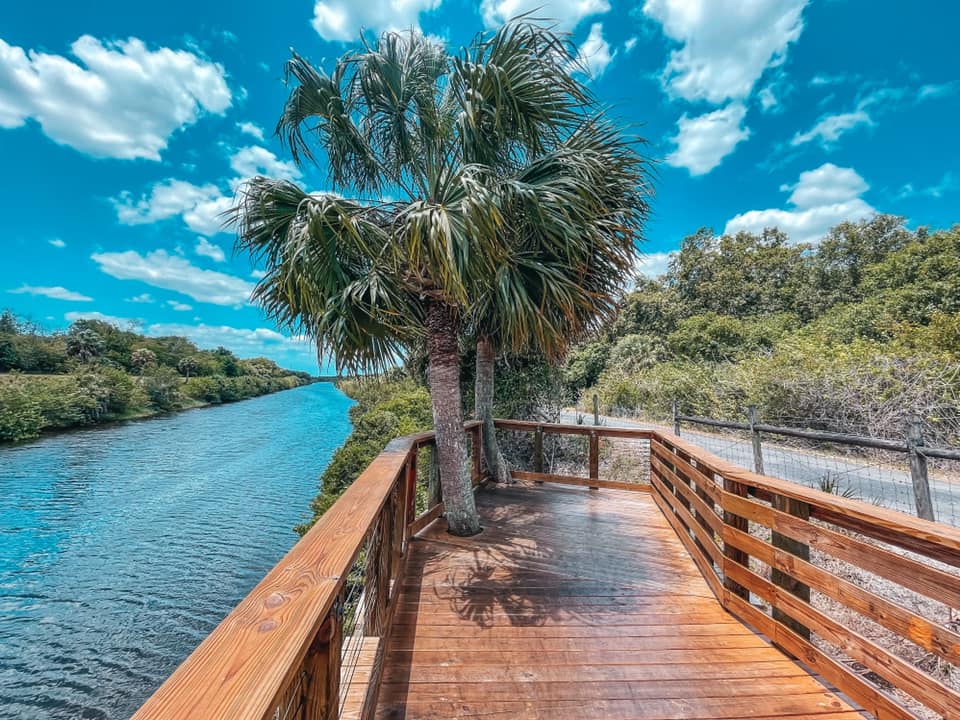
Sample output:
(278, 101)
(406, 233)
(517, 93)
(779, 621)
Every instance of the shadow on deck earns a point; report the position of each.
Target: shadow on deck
(577, 604)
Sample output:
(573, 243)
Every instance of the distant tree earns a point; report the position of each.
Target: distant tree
(142, 358)
(161, 385)
(8, 323)
(188, 366)
(229, 365)
(84, 344)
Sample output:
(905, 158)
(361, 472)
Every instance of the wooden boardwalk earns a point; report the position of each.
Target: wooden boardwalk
(578, 604)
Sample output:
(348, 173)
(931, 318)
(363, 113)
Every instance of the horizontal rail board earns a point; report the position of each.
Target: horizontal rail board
(568, 429)
(579, 481)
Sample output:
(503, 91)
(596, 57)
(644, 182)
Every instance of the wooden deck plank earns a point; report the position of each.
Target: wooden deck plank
(577, 604)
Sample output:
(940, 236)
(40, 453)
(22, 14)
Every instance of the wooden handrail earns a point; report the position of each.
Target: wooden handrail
(275, 651)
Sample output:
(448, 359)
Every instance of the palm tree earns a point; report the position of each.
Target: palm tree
(455, 138)
(567, 271)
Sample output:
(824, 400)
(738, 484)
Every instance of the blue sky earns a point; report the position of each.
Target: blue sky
(124, 131)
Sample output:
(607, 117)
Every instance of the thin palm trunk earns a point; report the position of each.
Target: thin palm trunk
(483, 389)
(444, 375)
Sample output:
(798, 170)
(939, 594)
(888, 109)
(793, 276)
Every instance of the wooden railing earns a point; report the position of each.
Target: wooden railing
(308, 641)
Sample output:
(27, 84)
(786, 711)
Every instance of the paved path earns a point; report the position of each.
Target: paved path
(886, 485)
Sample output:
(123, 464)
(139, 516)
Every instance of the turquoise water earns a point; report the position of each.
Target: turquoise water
(122, 547)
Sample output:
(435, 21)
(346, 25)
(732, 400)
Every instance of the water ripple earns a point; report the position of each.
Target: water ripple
(122, 547)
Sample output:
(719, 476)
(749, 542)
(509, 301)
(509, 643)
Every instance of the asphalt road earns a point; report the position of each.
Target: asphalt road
(887, 485)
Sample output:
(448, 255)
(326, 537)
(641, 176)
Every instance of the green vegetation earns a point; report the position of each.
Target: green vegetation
(854, 334)
(96, 372)
(516, 207)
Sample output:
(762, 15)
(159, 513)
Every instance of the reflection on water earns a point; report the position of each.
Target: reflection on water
(122, 547)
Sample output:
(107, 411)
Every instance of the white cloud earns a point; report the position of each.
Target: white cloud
(170, 272)
(205, 248)
(57, 243)
(703, 141)
(124, 100)
(927, 92)
(56, 293)
(594, 55)
(725, 44)
(251, 129)
(829, 128)
(255, 160)
(821, 198)
(245, 342)
(768, 100)
(257, 274)
(141, 298)
(120, 322)
(630, 44)
(342, 20)
(654, 264)
(179, 306)
(948, 183)
(201, 206)
(566, 13)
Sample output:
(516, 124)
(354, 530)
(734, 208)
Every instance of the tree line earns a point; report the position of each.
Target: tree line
(96, 371)
(856, 333)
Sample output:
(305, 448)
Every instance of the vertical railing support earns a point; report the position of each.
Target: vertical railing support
(730, 551)
(596, 409)
(801, 550)
(477, 441)
(594, 457)
(675, 409)
(755, 437)
(410, 489)
(433, 482)
(538, 451)
(918, 471)
(321, 666)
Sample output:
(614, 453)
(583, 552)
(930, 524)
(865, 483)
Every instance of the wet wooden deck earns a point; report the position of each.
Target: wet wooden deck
(578, 604)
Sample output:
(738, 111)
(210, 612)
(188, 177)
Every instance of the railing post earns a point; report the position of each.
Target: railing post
(730, 551)
(781, 579)
(321, 667)
(674, 407)
(433, 483)
(410, 493)
(376, 582)
(755, 436)
(538, 451)
(477, 441)
(918, 471)
(596, 409)
(594, 457)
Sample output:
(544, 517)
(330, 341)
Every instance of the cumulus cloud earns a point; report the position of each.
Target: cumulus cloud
(821, 198)
(120, 322)
(171, 272)
(205, 248)
(566, 13)
(179, 306)
(654, 264)
(251, 129)
(594, 55)
(57, 243)
(704, 141)
(141, 298)
(122, 100)
(245, 342)
(725, 44)
(201, 207)
(829, 128)
(55, 293)
(342, 20)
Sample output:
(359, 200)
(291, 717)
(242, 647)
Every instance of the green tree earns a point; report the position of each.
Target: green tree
(83, 343)
(450, 135)
(142, 358)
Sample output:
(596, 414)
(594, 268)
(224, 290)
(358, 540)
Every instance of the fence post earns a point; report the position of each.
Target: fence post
(918, 471)
(784, 580)
(596, 409)
(594, 457)
(411, 490)
(476, 447)
(538, 451)
(433, 481)
(755, 436)
(676, 417)
(731, 552)
(321, 694)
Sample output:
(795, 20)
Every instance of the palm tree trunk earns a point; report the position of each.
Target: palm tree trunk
(483, 389)
(444, 375)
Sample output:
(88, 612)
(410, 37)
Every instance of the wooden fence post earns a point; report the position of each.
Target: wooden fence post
(410, 491)
(433, 483)
(674, 406)
(781, 579)
(918, 471)
(596, 409)
(730, 551)
(538, 451)
(594, 457)
(321, 689)
(755, 436)
(477, 449)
